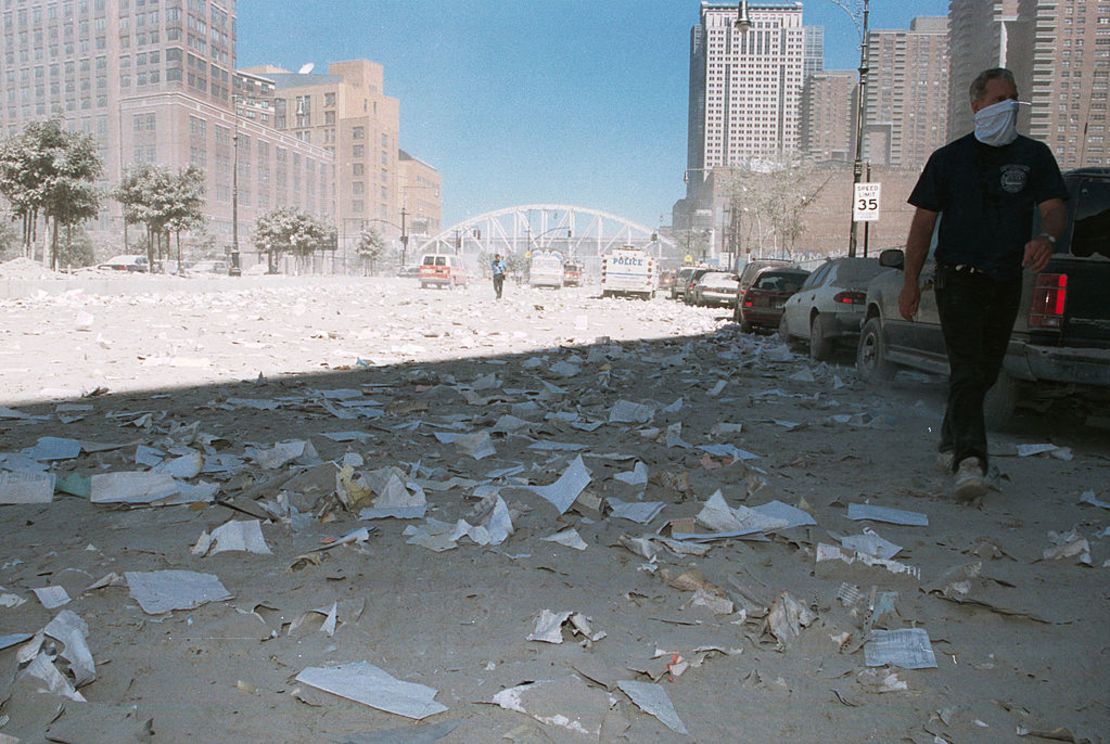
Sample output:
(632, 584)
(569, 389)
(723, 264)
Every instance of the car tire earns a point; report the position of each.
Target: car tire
(1001, 401)
(871, 362)
(820, 339)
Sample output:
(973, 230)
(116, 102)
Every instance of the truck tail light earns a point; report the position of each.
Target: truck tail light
(850, 298)
(749, 303)
(1050, 295)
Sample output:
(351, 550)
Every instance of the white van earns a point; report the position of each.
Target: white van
(442, 271)
(546, 269)
(629, 271)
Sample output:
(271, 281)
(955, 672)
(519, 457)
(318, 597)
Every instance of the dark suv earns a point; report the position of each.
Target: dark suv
(1061, 337)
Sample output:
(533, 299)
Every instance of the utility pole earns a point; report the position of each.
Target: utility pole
(404, 236)
(861, 108)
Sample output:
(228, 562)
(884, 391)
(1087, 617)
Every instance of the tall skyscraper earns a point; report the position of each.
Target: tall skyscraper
(828, 115)
(979, 34)
(813, 60)
(906, 102)
(1064, 46)
(152, 82)
(745, 86)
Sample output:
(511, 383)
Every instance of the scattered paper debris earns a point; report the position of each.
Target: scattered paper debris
(159, 592)
(653, 700)
(568, 537)
(858, 512)
(566, 489)
(243, 536)
(908, 648)
(365, 683)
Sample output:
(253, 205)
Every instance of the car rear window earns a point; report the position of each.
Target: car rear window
(429, 261)
(441, 260)
(1091, 234)
(855, 273)
(780, 281)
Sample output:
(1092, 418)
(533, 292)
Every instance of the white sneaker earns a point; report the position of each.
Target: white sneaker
(970, 482)
(944, 462)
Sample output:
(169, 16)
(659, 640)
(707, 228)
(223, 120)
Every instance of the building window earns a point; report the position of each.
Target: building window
(358, 133)
(329, 99)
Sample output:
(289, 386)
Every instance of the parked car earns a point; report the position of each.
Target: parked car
(1061, 338)
(716, 289)
(750, 271)
(692, 281)
(681, 282)
(209, 266)
(127, 262)
(763, 302)
(442, 271)
(408, 272)
(666, 280)
(828, 310)
(572, 274)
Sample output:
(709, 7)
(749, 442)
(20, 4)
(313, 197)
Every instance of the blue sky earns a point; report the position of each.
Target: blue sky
(519, 101)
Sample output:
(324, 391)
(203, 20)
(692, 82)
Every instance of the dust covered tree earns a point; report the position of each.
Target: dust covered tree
(186, 209)
(289, 230)
(370, 248)
(146, 193)
(48, 171)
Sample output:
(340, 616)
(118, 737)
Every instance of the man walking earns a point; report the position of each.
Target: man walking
(984, 188)
(499, 268)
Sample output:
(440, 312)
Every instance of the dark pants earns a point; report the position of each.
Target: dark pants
(976, 316)
(498, 284)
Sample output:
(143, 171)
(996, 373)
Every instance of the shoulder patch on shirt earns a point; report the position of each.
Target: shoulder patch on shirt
(1014, 178)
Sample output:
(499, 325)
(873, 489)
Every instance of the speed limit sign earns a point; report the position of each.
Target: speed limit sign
(865, 206)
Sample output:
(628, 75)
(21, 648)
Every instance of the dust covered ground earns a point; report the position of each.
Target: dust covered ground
(617, 403)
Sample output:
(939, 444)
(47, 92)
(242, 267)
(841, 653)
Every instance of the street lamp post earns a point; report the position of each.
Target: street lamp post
(857, 165)
(233, 266)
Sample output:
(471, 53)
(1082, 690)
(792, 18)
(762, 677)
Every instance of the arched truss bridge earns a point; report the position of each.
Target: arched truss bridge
(573, 231)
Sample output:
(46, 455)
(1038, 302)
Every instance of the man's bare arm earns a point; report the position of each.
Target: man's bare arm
(1054, 218)
(917, 248)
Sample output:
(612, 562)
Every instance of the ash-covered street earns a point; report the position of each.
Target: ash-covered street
(399, 515)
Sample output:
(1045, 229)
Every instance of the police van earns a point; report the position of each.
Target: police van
(629, 271)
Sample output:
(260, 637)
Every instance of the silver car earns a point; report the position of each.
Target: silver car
(828, 310)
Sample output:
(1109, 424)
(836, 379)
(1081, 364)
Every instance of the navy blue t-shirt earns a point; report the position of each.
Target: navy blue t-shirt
(986, 196)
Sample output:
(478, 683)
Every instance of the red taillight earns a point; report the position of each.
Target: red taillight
(749, 303)
(1050, 295)
(850, 298)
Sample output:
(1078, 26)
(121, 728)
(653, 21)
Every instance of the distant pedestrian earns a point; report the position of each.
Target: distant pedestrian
(985, 187)
(499, 269)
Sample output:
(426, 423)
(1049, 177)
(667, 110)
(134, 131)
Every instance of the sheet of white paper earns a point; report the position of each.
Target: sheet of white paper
(871, 544)
(131, 487)
(1029, 450)
(858, 512)
(674, 437)
(23, 487)
(50, 449)
(653, 700)
(43, 670)
(564, 491)
(243, 536)
(826, 552)
(187, 466)
(548, 446)
(365, 683)
(791, 515)
(478, 444)
(68, 628)
(52, 596)
(674, 407)
(158, 592)
(718, 516)
(640, 512)
(717, 388)
(346, 436)
(628, 412)
(1088, 497)
(548, 627)
(638, 476)
(908, 648)
(568, 537)
(11, 639)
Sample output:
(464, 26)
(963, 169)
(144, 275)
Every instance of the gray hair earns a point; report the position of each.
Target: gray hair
(979, 84)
